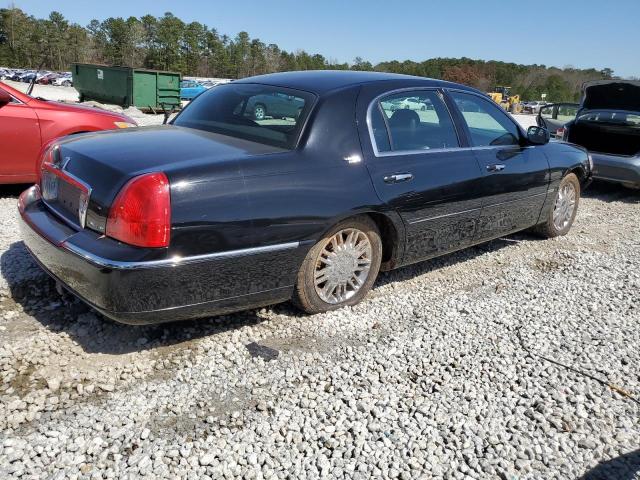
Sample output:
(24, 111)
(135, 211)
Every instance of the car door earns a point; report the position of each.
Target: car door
(284, 106)
(555, 116)
(20, 140)
(420, 170)
(515, 174)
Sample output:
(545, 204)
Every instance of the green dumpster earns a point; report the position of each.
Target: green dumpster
(126, 86)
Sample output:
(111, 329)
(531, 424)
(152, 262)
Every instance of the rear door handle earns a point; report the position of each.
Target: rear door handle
(498, 167)
(398, 177)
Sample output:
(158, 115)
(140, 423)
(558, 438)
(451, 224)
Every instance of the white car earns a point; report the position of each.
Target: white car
(534, 107)
(413, 103)
(64, 81)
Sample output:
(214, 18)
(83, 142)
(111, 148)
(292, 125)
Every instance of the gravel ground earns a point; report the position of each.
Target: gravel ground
(437, 374)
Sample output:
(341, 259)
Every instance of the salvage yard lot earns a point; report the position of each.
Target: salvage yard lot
(427, 376)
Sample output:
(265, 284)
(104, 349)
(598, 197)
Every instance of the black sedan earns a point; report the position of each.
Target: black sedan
(221, 211)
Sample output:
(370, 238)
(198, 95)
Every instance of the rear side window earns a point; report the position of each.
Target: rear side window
(417, 120)
(258, 113)
(379, 129)
(488, 124)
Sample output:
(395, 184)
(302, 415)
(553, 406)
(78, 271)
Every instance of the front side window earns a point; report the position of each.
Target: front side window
(487, 123)
(258, 113)
(417, 120)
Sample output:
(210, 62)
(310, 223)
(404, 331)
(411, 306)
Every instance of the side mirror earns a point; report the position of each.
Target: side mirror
(4, 98)
(538, 135)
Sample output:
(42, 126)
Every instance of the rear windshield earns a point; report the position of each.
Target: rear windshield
(611, 117)
(258, 113)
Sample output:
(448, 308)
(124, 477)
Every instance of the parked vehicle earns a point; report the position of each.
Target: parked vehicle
(275, 104)
(48, 78)
(190, 89)
(28, 123)
(64, 81)
(219, 212)
(413, 103)
(556, 116)
(533, 107)
(607, 123)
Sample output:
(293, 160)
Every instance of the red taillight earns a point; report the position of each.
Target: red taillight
(46, 156)
(141, 213)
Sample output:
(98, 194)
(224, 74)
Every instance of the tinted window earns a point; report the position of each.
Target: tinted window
(258, 113)
(380, 134)
(488, 124)
(418, 121)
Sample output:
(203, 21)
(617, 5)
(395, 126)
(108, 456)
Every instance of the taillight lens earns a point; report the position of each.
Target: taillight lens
(46, 155)
(141, 213)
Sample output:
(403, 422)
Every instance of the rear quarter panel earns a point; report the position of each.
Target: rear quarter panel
(564, 158)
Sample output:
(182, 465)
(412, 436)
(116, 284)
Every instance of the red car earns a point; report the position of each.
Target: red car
(28, 123)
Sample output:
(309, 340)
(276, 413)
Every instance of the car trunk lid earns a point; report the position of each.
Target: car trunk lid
(611, 95)
(90, 169)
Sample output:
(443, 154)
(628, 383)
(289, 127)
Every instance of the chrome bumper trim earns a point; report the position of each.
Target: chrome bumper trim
(176, 260)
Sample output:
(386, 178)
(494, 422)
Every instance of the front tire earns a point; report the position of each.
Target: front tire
(565, 207)
(341, 268)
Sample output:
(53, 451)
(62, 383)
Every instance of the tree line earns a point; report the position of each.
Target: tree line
(194, 49)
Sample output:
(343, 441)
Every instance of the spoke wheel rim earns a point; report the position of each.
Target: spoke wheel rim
(565, 206)
(259, 112)
(342, 266)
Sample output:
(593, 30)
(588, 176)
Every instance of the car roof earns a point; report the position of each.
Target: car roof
(323, 81)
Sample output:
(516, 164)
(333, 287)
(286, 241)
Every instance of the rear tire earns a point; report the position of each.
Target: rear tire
(341, 268)
(259, 112)
(565, 206)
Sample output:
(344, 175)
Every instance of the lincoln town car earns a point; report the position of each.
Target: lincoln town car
(226, 208)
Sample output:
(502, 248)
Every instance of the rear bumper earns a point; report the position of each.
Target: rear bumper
(124, 284)
(616, 168)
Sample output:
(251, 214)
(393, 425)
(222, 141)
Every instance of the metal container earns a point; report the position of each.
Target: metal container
(148, 90)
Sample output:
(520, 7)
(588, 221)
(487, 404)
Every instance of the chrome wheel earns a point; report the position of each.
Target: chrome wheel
(342, 266)
(564, 207)
(259, 112)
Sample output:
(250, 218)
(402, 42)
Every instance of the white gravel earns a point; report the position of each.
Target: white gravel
(49, 92)
(425, 379)
(438, 374)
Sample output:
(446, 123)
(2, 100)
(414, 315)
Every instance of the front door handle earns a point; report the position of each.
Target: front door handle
(498, 167)
(398, 177)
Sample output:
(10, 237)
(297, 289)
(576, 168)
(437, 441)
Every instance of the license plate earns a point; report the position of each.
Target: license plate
(66, 199)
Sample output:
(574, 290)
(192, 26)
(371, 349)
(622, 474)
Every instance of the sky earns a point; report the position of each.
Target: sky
(578, 33)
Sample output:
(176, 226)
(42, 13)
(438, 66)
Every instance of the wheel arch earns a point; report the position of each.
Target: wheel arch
(579, 172)
(391, 231)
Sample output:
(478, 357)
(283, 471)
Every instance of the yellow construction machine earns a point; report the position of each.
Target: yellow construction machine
(502, 96)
